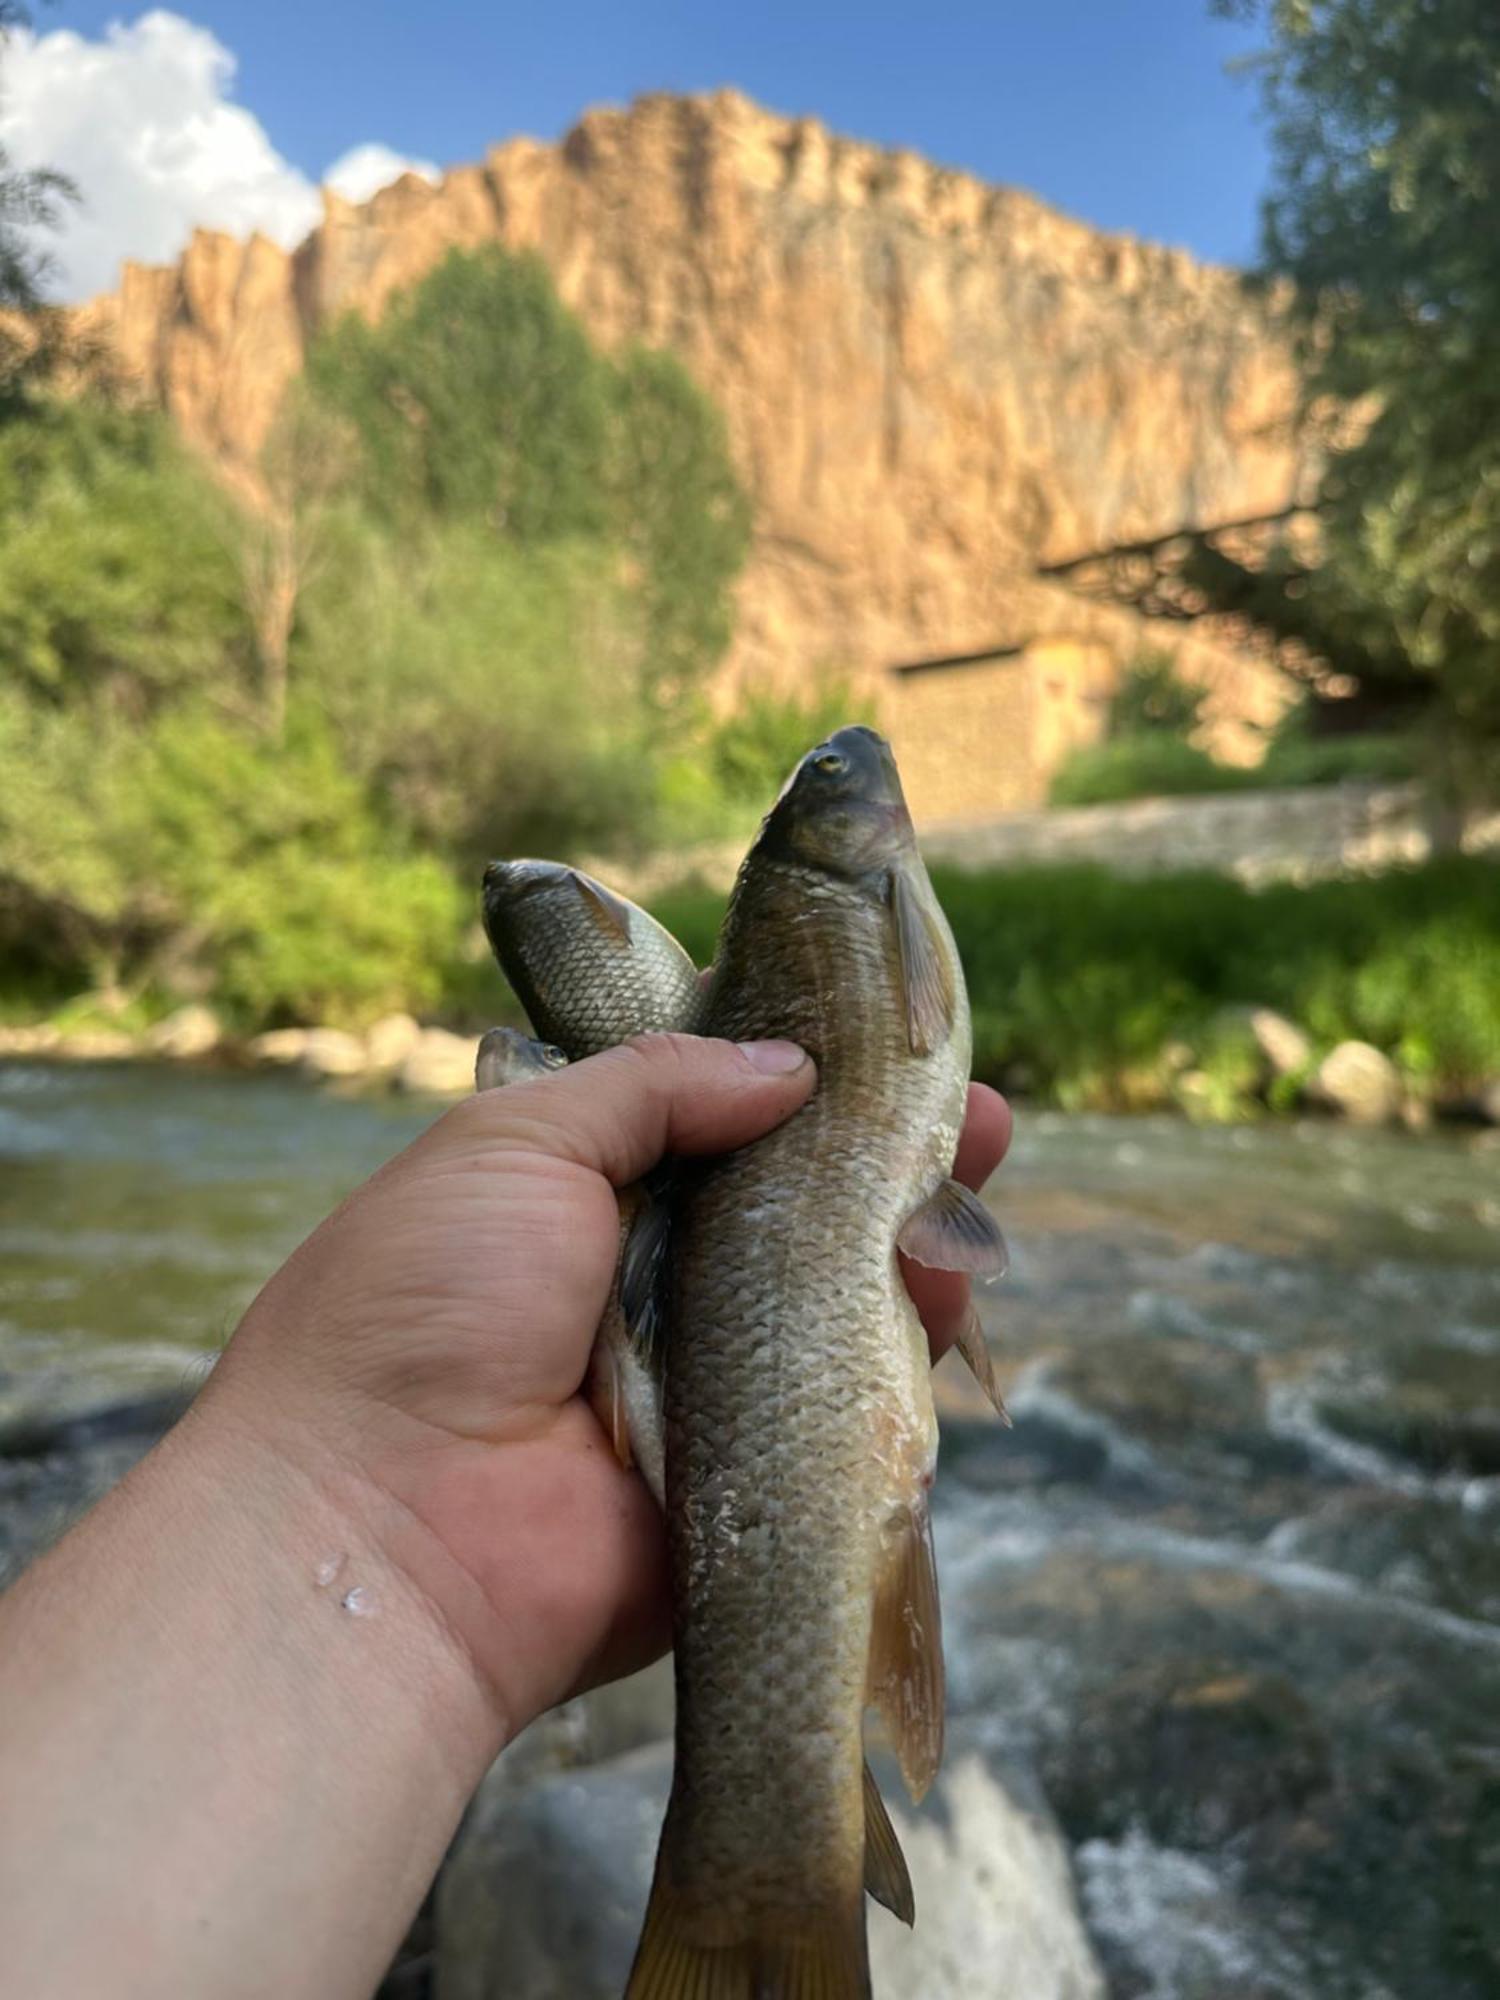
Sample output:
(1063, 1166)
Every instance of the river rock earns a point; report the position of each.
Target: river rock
(191, 1032)
(1360, 1082)
(98, 1045)
(1286, 1049)
(320, 1052)
(391, 1041)
(440, 1065)
(544, 1892)
(37, 1039)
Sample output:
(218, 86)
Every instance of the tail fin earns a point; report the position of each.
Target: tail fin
(825, 1960)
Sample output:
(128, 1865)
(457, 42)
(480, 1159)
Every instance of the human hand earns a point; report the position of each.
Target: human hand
(422, 1353)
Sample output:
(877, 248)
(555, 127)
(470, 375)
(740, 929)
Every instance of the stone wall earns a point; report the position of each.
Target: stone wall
(1295, 833)
(1292, 833)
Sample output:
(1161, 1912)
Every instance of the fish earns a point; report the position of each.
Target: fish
(620, 1386)
(800, 1435)
(505, 1056)
(590, 967)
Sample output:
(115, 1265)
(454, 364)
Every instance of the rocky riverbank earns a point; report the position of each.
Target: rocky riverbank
(397, 1051)
(1249, 1057)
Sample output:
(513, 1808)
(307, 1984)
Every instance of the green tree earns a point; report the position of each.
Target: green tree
(682, 515)
(477, 395)
(118, 587)
(32, 201)
(1385, 212)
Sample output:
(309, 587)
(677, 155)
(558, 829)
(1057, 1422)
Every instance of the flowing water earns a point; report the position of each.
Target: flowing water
(1231, 1586)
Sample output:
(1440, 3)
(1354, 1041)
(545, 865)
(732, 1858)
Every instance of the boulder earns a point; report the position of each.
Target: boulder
(391, 1041)
(544, 1892)
(439, 1065)
(319, 1052)
(191, 1032)
(1360, 1082)
(1286, 1049)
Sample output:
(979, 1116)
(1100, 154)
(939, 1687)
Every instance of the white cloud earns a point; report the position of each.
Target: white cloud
(364, 170)
(142, 121)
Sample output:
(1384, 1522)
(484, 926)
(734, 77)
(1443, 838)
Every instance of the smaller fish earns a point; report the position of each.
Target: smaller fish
(622, 1385)
(507, 1056)
(589, 966)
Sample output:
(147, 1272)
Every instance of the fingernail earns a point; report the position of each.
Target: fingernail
(773, 1058)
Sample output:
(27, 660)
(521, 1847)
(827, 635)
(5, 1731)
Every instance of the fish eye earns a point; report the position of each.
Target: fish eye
(553, 1056)
(831, 763)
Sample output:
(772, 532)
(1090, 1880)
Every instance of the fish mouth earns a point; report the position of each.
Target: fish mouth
(504, 881)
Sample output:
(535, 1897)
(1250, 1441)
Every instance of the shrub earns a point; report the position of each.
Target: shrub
(1154, 764)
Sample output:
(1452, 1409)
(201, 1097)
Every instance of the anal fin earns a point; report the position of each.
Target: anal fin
(906, 1647)
(886, 1877)
(972, 1345)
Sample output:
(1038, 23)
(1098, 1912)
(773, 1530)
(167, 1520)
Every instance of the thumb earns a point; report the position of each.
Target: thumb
(620, 1111)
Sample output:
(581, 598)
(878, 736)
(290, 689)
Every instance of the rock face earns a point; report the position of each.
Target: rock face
(930, 384)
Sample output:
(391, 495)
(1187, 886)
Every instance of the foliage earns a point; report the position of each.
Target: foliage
(1089, 985)
(32, 201)
(482, 693)
(476, 395)
(1152, 696)
(753, 749)
(1150, 765)
(479, 398)
(1385, 212)
(187, 846)
(117, 577)
(681, 515)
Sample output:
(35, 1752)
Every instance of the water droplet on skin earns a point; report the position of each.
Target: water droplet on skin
(328, 1569)
(358, 1602)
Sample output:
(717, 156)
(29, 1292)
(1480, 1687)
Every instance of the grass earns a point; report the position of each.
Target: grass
(1098, 991)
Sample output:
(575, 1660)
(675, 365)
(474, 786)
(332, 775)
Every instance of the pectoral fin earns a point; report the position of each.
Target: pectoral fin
(927, 982)
(906, 1648)
(954, 1231)
(886, 1877)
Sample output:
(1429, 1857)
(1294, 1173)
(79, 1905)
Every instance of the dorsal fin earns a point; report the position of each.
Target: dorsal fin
(610, 912)
(927, 984)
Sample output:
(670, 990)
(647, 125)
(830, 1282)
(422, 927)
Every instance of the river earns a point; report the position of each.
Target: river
(1230, 1589)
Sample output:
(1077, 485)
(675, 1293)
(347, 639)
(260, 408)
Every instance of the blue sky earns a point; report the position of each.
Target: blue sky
(1119, 111)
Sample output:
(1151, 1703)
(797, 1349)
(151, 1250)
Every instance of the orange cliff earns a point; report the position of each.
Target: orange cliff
(931, 384)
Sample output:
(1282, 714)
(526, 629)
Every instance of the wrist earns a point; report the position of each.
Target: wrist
(356, 1550)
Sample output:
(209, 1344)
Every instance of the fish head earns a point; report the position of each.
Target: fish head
(842, 809)
(517, 895)
(506, 1055)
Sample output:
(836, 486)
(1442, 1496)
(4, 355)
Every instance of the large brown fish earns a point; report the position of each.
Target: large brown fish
(800, 1434)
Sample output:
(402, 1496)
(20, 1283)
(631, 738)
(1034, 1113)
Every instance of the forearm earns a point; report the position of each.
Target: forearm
(235, 1739)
